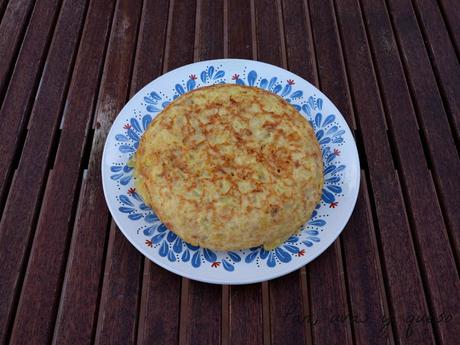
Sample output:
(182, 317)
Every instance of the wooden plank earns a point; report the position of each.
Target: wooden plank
(442, 151)
(369, 314)
(160, 303)
(80, 291)
(123, 264)
(451, 13)
(160, 306)
(407, 297)
(180, 52)
(436, 254)
(20, 210)
(245, 301)
(364, 281)
(12, 27)
(209, 43)
(300, 57)
(443, 57)
(329, 56)
(3, 4)
(204, 313)
(18, 99)
(239, 37)
(118, 312)
(246, 314)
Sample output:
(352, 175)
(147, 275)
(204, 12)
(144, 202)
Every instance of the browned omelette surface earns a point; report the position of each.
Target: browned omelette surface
(230, 167)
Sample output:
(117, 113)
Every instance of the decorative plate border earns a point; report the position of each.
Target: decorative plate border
(146, 232)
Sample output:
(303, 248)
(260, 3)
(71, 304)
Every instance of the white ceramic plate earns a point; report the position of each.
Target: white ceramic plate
(145, 231)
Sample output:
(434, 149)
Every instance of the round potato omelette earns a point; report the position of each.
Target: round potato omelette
(230, 167)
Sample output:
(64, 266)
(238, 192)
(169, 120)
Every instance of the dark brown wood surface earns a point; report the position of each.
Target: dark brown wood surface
(68, 275)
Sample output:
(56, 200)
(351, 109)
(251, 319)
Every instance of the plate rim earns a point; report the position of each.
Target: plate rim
(274, 273)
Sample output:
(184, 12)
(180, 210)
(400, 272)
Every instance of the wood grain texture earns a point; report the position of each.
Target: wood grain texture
(408, 297)
(12, 26)
(39, 291)
(246, 314)
(451, 14)
(209, 43)
(436, 254)
(123, 264)
(444, 60)
(20, 211)
(447, 68)
(80, 291)
(365, 286)
(369, 315)
(239, 37)
(432, 117)
(118, 310)
(17, 102)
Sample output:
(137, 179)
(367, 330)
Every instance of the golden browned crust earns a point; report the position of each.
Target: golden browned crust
(230, 167)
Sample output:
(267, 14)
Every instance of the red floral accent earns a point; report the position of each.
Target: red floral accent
(148, 243)
(131, 191)
(215, 264)
(301, 253)
(127, 126)
(290, 82)
(193, 76)
(336, 152)
(235, 77)
(333, 204)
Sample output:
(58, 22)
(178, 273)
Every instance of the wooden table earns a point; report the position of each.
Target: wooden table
(68, 276)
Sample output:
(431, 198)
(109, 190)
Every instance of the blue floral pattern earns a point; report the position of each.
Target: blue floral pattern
(330, 136)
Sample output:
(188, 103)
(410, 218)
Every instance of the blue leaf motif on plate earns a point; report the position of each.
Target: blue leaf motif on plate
(177, 245)
(252, 76)
(126, 149)
(297, 94)
(158, 238)
(209, 255)
(286, 90)
(219, 74)
(164, 249)
(135, 124)
(121, 137)
(186, 256)
(234, 256)
(271, 262)
(146, 121)
(149, 231)
(263, 83)
(251, 257)
(196, 259)
(135, 216)
(180, 90)
(171, 256)
(203, 76)
(191, 84)
(282, 255)
(125, 180)
(125, 200)
(228, 266)
(210, 71)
